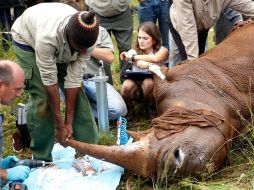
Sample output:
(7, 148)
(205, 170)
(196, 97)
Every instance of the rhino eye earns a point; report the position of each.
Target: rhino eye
(179, 157)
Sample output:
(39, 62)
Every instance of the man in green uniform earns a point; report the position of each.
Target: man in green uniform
(52, 50)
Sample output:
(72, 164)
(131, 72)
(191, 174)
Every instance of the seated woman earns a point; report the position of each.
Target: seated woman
(102, 53)
(148, 51)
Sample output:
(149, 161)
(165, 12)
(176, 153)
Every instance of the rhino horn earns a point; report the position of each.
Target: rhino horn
(138, 135)
(126, 156)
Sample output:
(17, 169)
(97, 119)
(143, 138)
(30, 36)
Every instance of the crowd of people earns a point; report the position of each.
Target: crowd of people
(58, 54)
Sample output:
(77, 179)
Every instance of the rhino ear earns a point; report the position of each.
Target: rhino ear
(139, 134)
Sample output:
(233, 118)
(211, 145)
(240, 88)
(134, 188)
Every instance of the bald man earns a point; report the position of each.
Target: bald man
(11, 86)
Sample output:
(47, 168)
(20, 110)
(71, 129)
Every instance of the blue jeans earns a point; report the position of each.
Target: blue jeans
(153, 10)
(174, 55)
(116, 104)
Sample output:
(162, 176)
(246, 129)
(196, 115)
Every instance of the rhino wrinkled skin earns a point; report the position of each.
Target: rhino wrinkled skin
(202, 105)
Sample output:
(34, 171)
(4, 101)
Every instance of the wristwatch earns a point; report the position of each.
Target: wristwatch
(133, 59)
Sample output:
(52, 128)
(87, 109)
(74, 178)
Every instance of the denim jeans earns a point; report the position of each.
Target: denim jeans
(153, 10)
(116, 104)
(174, 55)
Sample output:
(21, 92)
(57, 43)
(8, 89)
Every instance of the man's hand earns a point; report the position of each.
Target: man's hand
(54, 103)
(62, 135)
(156, 70)
(69, 130)
(7, 162)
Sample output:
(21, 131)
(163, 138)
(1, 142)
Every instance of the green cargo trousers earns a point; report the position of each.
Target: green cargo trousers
(40, 121)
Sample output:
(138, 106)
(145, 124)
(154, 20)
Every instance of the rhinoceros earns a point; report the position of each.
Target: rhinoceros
(202, 105)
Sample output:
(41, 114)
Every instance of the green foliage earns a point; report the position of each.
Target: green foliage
(107, 138)
(239, 175)
(6, 54)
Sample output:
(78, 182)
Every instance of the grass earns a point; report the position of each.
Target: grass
(239, 175)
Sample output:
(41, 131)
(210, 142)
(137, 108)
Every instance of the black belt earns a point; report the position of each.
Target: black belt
(23, 46)
(88, 76)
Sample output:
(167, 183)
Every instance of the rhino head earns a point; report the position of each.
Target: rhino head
(179, 152)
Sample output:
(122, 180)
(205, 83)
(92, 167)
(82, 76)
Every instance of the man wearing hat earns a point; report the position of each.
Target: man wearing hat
(52, 50)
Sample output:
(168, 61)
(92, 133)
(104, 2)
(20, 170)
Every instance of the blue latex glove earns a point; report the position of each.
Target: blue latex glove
(18, 173)
(6, 163)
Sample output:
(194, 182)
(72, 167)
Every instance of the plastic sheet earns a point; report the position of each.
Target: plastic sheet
(64, 176)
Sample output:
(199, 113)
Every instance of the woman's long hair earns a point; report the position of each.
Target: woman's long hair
(152, 30)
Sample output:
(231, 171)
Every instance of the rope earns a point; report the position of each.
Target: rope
(122, 136)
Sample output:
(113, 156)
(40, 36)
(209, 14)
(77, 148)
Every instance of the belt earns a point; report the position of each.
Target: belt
(88, 76)
(23, 46)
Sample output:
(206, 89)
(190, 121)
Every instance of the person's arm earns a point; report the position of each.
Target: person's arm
(54, 104)
(183, 20)
(104, 49)
(233, 16)
(3, 176)
(158, 57)
(245, 7)
(104, 54)
(46, 62)
(72, 87)
(71, 95)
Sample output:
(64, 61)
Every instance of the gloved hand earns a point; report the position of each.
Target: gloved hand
(143, 64)
(18, 173)
(6, 163)
(156, 70)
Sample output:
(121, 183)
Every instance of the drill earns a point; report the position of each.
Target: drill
(17, 186)
(30, 163)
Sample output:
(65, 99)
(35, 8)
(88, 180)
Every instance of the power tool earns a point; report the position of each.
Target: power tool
(17, 186)
(31, 163)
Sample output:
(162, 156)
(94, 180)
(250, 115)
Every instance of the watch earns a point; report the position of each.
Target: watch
(133, 58)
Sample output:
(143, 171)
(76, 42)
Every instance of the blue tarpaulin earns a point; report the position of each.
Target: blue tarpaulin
(63, 176)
